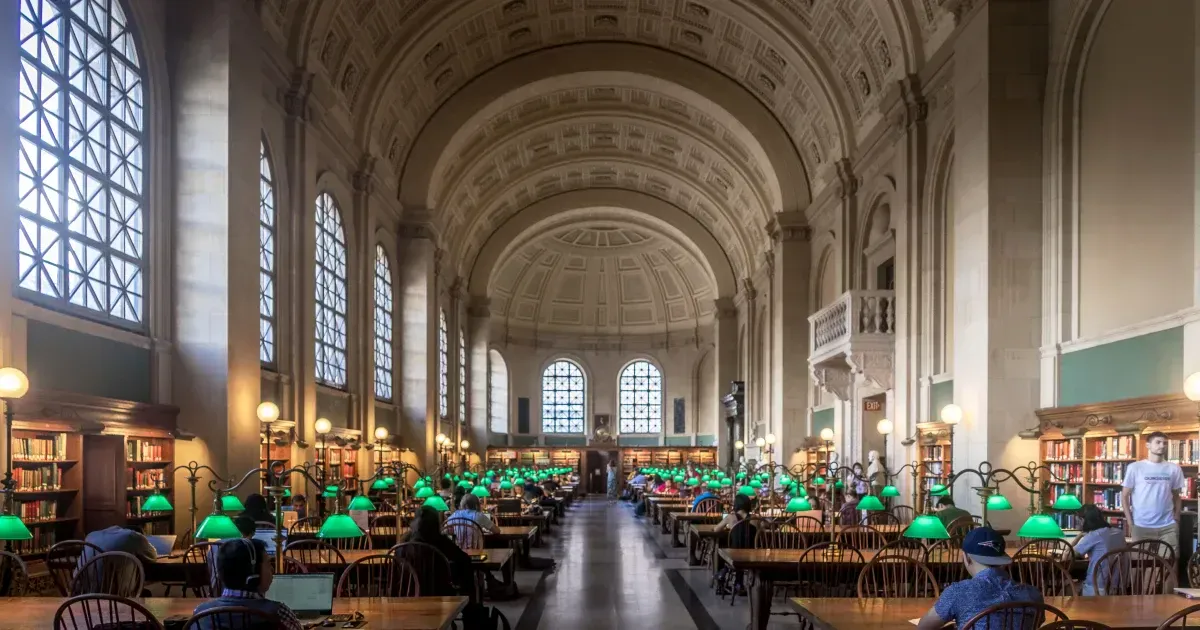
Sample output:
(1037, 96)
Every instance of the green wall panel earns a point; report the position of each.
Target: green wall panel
(940, 395)
(679, 440)
(523, 440)
(565, 440)
(72, 361)
(1141, 366)
(637, 441)
(497, 439)
(335, 407)
(822, 419)
(706, 440)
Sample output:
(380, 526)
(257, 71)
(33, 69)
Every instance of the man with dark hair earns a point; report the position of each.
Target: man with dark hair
(117, 538)
(1150, 494)
(245, 572)
(990, 584)
(948, 512)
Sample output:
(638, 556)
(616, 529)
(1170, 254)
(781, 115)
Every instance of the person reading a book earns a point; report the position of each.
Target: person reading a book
(1150, 494)
(1096, 538)
(985, 557)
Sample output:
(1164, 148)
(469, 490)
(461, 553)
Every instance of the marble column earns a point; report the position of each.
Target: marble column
(725, 363)
(361, 376)
(217, 88)
(999, 78)
(790, 293)
(479, 330)
(418, 340)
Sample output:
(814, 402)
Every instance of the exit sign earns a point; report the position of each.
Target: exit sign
(872, 405)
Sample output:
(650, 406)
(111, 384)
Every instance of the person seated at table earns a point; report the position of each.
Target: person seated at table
(246, 525)
(948, 512)
(848, 513)
(245, 572)
(533, 492)
(1096, 537)
(550, 485)
(459, 493)
(639, 478)
(815, 499)
(129, 539)
(468, 509)
(985, 558)
(300, 506)
(700, 497)
(427, 528)
(446, 491)
(742, 507)
(256, 509)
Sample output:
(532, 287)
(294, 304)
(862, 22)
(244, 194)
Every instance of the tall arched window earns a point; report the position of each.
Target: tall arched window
(641, 393)
(563, 387)
(331, 293)
(443, 365)
(80, 190)
(462, 376)
(383, 325)
(266, 257)
(497, 392)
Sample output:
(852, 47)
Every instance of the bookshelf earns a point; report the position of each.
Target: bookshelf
(935, 457)
(148, 460)
(46, 466)
(341, 462)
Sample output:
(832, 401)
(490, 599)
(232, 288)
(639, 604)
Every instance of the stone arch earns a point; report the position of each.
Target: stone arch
(876, 241)
(509, 233)
(825, 274)
(332, 183)
(938, 255)
(416, 175)
(589, 386)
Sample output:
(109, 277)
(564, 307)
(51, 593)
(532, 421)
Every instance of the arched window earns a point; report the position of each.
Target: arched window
(443, 365)
(266, 257)
(497, 392)
(383, 325)
(641, 394)
(81, 200)
(563, 389)
(331, 293)
(462, 376)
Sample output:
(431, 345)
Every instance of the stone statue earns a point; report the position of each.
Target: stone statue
(875, 472)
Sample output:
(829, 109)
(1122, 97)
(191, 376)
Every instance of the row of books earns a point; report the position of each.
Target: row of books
(1115, 447)
(1066, 473)
(1108, 499)
(935, 452)
(1184, 451)
(1064, 449)
(143, 479)
(44, 449)
(936, 469)
(40, 478)
(1107, 472)
(43, 539)
(133, 506)
(144, 451)
(43, 510)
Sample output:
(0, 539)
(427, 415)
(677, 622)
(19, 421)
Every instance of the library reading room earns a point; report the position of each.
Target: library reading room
(600, 314)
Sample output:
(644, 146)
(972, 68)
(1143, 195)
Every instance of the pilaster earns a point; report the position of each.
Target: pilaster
(725, 362)
(479, 318)
(792, 261)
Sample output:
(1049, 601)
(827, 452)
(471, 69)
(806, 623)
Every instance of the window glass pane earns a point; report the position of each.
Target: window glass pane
(640, 398)
(330, 293)
(266, 257)
(383, 325)
(80, 168)
(462, 376)
(562, 398)
(443, 365)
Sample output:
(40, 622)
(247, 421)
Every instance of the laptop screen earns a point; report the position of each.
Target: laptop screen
(305, 592)
(268, 538)
(162, 543)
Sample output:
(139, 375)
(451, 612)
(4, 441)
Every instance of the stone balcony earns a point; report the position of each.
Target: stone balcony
(855, 335)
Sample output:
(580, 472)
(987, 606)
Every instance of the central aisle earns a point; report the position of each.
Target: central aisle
(610, 574)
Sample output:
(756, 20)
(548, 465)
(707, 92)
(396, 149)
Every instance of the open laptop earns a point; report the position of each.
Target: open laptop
(163, 544)
(309, 595)
(268, 538)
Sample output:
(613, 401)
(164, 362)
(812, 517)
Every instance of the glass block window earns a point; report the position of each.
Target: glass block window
(331, 293)
(462, 376)
(80, 159)
(562, 398)
(443, 365)
(640, 388)
(383, 325)
(266, 257)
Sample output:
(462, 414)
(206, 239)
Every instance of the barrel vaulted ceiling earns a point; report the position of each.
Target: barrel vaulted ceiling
(729, 110)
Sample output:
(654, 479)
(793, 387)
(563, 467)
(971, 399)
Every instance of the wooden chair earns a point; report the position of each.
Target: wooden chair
(465, 532)
(232, 617)
(779, 536)
(707, 506)
(62, 560)
(1056, 549)
(959, 527)
(945, 561)
(14, 575)
(807, 524)
(829, 570)
(111, 573)
(379, 575)
(861, 537)
(886, 519)
(1180, 617)
(88, 612)
(430, 566)
(307, 526)
(203, 553)
(1135, 572)
(1193, 571)
(1075, 624)
(896, 576)
(907, 547)
(358, 543)
(1044, 573)
(903, 513)
(1014, 616)
(1159, 547)
(313, 553)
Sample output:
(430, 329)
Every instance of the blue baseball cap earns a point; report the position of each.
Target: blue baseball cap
(985, 546)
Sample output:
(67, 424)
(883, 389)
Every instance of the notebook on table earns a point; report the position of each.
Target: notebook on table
(309, 595)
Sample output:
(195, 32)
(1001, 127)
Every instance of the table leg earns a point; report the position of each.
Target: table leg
(760, 600)
(675, 542)
(667, 517)
(691, 546)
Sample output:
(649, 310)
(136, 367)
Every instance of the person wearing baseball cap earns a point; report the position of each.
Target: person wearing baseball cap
(985, 557)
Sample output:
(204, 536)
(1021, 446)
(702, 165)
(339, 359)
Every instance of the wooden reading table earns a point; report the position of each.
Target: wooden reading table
(681, 520)
(388, 613)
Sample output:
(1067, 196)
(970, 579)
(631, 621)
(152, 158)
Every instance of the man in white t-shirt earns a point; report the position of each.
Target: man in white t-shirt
(1150, 494)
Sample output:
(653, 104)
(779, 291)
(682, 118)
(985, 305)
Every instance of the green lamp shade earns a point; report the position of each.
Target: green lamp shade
(939, 490)
(425, 492)
(998, 502)
(436, 503)
(481, 492)
(693, 482)
(889, 491)
(11, 528)
(217, 526)
(361, 502)
(391, 481)
(726, 482)
(491, 473)
(519, 481)
(741, 475)
(756, 484)
(506, 485)
(799, 490)
(870, 503)
(331, 492)
(1040, 526)
(839, 485)
(447, 476)
(339, 526)
(927, 526)
(746, 490)
(713, 485)
(819, 481)
(799, 504)
(677, 478)
(706, 478)
(420, 484)
(379, 484)
(1066, 502)
(287, 492)
(156, 503)
(230, 503)
(465, 484)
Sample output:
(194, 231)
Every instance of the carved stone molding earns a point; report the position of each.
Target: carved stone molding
(479, 307)
(848, 182)
(876, 367)
(93, 414)
(748, 290)
(724, 308)
(416, 231)
(296, 99)
(1131, 415)
(835, 380)
(914, 107)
